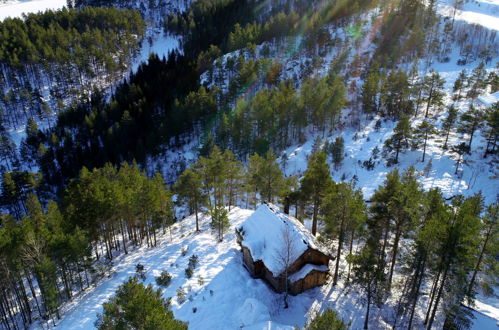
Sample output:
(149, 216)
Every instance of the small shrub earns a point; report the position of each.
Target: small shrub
(193, 261)
(189, 272)
(140, 271)
(181, 295)
(329, 319)
(164, 279)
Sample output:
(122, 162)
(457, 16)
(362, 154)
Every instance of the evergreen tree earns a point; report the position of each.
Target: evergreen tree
(338, 151)
(449, 123)
(266, 176)
(470, 122)
(368, 274)
(327, 320)
(459, 85)
(370, 90)
(433, 92)
(400, 138)
(489, 247)
(315, 182)
(422, 133)
(138, 307)
(189, 187)
(492, 128)
(342, 208)
(219, 221)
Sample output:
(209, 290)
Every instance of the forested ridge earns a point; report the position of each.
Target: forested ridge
(51, 59)
(250, 80)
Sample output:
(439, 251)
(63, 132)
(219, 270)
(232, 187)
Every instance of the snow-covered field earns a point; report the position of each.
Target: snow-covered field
(15, 8)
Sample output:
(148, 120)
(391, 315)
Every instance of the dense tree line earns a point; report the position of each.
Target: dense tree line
(278, 116)
(62, 249)
(68, 51)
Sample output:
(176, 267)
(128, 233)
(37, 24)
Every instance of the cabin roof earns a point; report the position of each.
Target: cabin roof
(262, 233)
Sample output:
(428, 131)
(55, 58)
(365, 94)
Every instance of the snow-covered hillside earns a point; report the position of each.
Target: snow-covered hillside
(480, 12)
(227, 297)
(16, 8)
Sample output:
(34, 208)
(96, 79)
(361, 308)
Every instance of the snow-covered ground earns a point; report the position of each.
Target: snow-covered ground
(480, 12)
(16, 8)
(227, 298)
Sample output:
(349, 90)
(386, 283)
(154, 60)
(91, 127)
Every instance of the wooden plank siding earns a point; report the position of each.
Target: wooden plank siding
(257, 269)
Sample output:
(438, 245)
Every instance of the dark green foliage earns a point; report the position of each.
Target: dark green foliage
(66, 49)
(315, 183)
(470, 122)
(139, 307)
(449, 123)
(189, 272)
(189, 188)
(266, 176)
(219, 221)
(164, 279)
(432, 92)
(422, 134)
(327, 320)
(400, 140)
(193, 261)
(338, 151)
(492, 129)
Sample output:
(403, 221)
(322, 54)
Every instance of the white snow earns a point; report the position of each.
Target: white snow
(305, 270)
(263, 235)
(229, 298)
(488, 100)
(16, 8)
(252, 311)
(480, 12)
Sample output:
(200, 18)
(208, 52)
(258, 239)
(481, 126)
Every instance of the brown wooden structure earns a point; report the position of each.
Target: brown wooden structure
(307, 270)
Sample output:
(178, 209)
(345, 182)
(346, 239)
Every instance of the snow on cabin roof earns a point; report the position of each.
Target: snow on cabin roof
(305, 270)
(263, 233)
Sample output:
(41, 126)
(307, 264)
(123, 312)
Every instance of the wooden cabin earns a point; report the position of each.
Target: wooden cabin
(276, 246)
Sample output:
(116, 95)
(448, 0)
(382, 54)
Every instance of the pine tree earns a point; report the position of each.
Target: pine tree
(456, 253)
(400, 138)
(189, 187)
(327, 320)
(489, 247)
(433, 93)
(460, 149)
(219, 221)
(368, 274)
(449, 123)
(477, 81)
(492, 129)
(422, 133)
(459, 85)
(370, 90)
(265, 175)
(470, 122)
(137, 306)
(342, 208)
(338, 152)
(315, 182)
